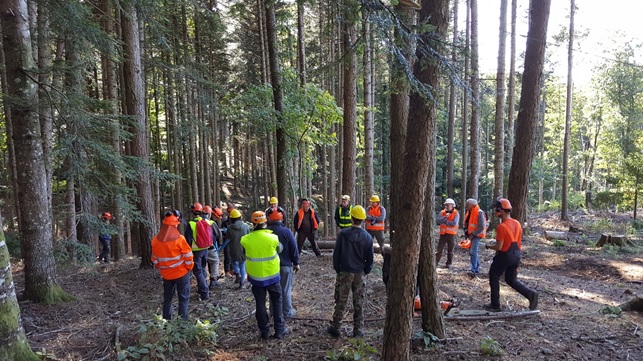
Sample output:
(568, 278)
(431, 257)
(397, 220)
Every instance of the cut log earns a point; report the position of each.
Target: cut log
(555, 235)
(635, 304)
(484, 315)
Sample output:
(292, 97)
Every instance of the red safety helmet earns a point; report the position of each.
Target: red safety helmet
(107, 215)
(207, 210)
(196, 208)
(465, 243)
(276, 216)
(217, 212)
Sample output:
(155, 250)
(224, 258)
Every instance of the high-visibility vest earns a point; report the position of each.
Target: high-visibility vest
(375, 212)
(345, 217)
(300, 215)
(173, 258)
(193, 228)
(513, 232)
(262, 259)
(444, 229)
(472, 217)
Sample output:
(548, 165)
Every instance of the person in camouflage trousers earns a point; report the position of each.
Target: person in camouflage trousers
(352, 260)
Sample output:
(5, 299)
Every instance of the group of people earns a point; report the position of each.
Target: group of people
(270, 253)
(507, 245)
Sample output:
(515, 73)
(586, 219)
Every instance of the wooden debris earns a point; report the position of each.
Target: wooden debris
(619, 240)
(555, 235)
(486, 315)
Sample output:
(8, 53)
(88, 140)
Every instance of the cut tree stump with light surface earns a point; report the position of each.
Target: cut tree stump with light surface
(619, 240)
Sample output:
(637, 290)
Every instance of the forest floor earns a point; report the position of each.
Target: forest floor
(575, 282)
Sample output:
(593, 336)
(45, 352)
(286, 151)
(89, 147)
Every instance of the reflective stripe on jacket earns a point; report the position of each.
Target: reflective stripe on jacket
(344, 216)
(262, 259)
(473, 217)
(375, 212)
(173, 258)
(444, 228)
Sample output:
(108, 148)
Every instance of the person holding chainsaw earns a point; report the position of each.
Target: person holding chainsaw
(507, 259)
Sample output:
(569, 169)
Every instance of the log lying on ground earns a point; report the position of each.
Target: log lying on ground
(493, 316)
(619, 240)
(635, 304)
(555, 235)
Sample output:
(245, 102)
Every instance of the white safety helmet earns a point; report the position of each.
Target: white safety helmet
(449, 201)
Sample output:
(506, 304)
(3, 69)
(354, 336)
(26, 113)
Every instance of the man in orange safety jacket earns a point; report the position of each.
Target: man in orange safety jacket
(448, 221)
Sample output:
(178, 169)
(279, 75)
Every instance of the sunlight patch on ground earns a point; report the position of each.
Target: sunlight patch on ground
(587, 296)
(629, 270)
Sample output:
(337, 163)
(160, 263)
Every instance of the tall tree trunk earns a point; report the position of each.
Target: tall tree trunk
(369, 175)
(13, 343)
(35, 226)
(45, 107)
(277, 92)
(453, 102)
(301, 44)
(349, 153)
(465, 108)
(527, 116)
(474, 130)
(419, 150)
(511, 92)
(499, 134)
(568, 115)
(135, 99)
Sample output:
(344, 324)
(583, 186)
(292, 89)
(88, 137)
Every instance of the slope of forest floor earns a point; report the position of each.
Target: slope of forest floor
(575, 281)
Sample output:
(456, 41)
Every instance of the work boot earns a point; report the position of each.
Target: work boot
(214, 284)
(491, 308)
(533, 301)
(282, 335)
(333, 331)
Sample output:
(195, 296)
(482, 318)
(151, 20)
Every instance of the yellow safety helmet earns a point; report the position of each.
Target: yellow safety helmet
(358, 212)
(235, 213)
(274, 200)
(258, 217)
(375, 198)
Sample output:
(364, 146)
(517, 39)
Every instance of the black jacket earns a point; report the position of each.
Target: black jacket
(353, 251)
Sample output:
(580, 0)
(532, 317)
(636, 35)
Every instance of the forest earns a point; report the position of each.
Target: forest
(134, 108)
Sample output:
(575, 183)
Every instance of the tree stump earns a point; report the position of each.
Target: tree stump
(619, 240)
(635, 304)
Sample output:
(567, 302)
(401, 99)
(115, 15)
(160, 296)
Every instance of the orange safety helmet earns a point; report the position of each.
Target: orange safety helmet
(276, 216)
(504, 204)
(196, 208)
(172, 218)
(207, 210)
(258, 217)
(217, 212)
(465, 243)
(107, 215)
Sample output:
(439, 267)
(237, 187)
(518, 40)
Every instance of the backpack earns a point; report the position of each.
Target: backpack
(203, 234)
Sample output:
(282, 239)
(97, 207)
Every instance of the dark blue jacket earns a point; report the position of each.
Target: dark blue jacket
(353, 251)
(290, 254)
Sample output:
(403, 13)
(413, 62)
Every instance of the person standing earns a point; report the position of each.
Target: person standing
(200, 252)
(227, 262)
(343, 213)
(274, 209)
(236, 230)
(214, 218)
(352, 260)
(475, 226)
(262, 250)
(375, 219)
(105, 238)
(173, 257)
(288, 262)
(448, 221)
(507, 259)
(306, 223)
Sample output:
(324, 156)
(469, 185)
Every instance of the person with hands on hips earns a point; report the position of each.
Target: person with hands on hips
(507, 259)
(375, 220)
(475, 226)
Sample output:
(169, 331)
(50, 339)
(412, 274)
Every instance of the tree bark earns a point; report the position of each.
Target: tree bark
(511, 92)
(349, 152)
(527, 116)
(465, 110)
(474, 128)
(568, 117)
(453, 102)
(35, 226)
(134, 91)
(499, 143)
(301, 44)
(369, 134)
(277, 92)
(418, 149)
(13, 343)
